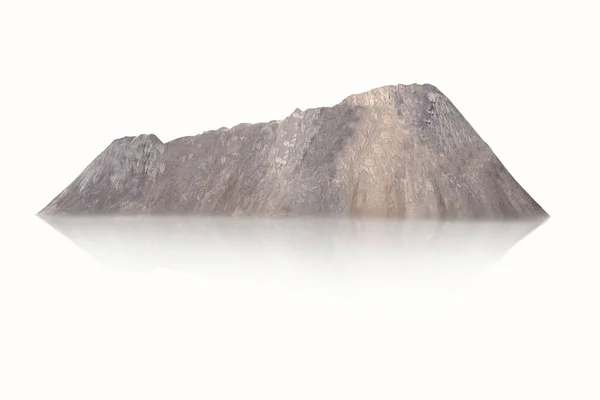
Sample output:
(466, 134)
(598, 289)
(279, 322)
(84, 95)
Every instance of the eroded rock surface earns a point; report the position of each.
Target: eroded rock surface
(395, 151)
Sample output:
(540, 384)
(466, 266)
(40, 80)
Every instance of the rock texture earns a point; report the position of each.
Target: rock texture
(395, 151)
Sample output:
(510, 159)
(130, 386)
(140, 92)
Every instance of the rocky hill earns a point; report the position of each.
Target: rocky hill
(395, 151)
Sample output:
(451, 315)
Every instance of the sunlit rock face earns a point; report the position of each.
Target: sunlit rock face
(396, 151)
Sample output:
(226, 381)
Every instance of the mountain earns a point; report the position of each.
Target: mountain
(396, 151)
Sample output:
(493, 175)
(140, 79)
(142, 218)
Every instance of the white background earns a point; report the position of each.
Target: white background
(75, 75)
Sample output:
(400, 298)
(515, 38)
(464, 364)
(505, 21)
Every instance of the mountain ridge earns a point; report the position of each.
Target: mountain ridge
(295, 112)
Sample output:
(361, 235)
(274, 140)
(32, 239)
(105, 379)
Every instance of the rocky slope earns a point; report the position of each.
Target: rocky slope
(395, 151)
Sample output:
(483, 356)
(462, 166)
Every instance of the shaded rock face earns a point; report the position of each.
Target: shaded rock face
(396, 151)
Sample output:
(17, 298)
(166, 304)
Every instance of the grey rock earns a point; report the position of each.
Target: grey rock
(396, 151)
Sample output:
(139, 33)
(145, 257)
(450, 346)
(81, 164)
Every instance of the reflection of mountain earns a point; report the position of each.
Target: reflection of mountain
(395, 151)
(410, 267)
(318, 246)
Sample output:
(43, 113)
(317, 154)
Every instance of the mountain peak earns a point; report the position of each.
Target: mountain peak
(148, 137)
(391, 94)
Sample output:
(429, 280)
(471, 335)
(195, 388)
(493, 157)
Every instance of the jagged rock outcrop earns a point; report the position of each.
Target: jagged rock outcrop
(396, 151)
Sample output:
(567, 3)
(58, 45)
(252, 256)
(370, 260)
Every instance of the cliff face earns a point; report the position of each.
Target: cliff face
(396, 151)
